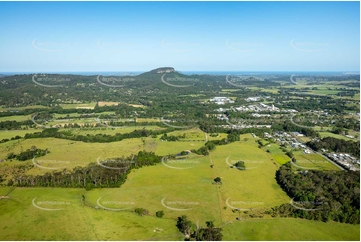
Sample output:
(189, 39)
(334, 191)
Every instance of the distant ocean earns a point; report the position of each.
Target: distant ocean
(134, 73)
(271, 72)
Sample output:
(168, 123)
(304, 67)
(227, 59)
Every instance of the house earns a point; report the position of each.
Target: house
(297, 134)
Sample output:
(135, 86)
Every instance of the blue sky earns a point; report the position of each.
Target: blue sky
(189, 36)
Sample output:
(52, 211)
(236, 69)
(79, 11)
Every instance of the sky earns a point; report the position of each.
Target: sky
(189, 36)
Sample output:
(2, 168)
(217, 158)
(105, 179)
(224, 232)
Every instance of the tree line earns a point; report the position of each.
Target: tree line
(106, 174)
(232, 136)
(101, 138)
(287, 126)
(28, 154)
(14, 125)
(336, 145)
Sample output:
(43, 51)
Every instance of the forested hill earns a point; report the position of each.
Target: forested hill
(162, 70)
(45, 89)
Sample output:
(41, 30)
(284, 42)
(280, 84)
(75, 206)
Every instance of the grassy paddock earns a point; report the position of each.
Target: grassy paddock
(79, 105)
(166, 186)
(313, 161)
(254, 187)
(289, 229)
(277, 154)
(102, 104)
(12, 133)
(3, 109)
(69, 154)
(329, 134)
(21, 220)
(16, 118)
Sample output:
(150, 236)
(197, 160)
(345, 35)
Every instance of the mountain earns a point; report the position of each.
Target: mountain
(162, 70)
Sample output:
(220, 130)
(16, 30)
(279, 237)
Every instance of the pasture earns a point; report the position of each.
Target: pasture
(312, 161)
(194, 134)
(23, 217)
(337, 136)
(78, 105)
(4, 109)
(16, 118)
(70, 154)
(112, 131)
(277, 154)
(253, 188)
(290, 229)
(8, 134)
(176, 186)
(102, 104)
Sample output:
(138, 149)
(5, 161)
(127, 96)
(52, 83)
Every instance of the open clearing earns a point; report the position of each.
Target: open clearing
(337, 136)
(253, 188)
(8, 134)
(69, 154)
(313, 161)
(79, 105)
(277, 154)
(24, 221)
(289, 229)
(3, 109)
(102, 104)
(16, 118)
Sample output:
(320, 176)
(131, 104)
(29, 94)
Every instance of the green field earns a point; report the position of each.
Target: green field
(21, 220)
(289, 229)
(190, 134)
(242, 189)
(271, 90)
(69, 154)
(313, 161)
(16, 118)
(7, 134)
(112, 131)
(79, 105)
(80, 121)
(277, 154)
(76, 115)
(24, 221)
(337, 136)
(3, 109)
(142, 120)
(69, 115)
(176, 186)
(219, 137)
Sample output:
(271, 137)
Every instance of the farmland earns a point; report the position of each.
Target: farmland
(197, 147)
(160, 186)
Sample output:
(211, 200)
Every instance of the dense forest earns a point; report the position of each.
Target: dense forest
(320, 195)
(336, 145)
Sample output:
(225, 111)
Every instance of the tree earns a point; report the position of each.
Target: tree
(232, 137)
(211, 233)
(210, 224)
(11, 156)
(240, 165)
(184, 225)
(203, 150)
(218, 180)
(159, 214)
(210, 145)
(141, 211)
